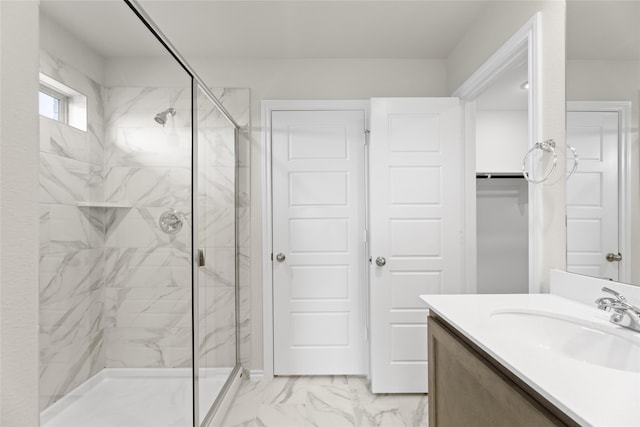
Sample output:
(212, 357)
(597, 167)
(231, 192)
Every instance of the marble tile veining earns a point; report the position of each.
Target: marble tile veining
(328, 401)
(114, 290)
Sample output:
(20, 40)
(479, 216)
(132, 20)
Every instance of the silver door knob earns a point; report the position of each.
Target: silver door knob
(613, 257)
(280, 257)
(381, 261)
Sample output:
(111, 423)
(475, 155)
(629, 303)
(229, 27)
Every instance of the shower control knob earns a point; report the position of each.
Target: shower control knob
(280, 257)
(171, 221)
(381, 261)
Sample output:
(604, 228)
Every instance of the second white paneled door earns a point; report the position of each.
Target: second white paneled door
(416, 214)
(318, 242)
(592, 194)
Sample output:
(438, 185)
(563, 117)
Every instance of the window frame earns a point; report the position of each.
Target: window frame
(63, 102)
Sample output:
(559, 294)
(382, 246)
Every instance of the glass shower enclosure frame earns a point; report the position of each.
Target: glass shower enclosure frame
(201, 96)
(138, 325)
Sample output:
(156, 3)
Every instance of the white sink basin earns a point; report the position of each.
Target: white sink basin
(578, 339)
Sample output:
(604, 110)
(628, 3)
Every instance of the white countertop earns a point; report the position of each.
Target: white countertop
(590, 394)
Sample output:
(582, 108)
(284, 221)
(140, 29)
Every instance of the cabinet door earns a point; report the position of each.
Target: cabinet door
(466, 390)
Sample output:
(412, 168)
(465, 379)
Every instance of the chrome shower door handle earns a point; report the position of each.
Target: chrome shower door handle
(611, 257)
(281, 257)
(381, 261)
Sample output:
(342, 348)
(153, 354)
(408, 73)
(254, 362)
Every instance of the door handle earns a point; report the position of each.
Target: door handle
(280, 257)
(611, 257)
(381, 261)
(202, 258)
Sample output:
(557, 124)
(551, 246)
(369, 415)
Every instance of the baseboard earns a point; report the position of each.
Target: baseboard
(256, 375)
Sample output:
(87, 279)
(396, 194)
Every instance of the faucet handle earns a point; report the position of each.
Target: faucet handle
(619, 296)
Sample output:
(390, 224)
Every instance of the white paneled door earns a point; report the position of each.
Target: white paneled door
(416, 224)
(318, 242)
(592, 194)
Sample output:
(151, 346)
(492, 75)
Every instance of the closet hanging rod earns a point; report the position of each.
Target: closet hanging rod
(498, 175)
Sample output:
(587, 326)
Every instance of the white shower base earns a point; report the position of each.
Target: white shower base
(135, 398)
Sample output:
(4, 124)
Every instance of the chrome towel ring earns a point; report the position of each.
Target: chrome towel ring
(548, 146)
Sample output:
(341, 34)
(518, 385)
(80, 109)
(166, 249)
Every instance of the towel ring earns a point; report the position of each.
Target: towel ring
(549, 146)
(575, 161)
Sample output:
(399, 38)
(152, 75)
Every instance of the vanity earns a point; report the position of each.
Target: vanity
(531, 360)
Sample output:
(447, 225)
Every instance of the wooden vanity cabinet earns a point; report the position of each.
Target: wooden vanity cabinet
(467, 387)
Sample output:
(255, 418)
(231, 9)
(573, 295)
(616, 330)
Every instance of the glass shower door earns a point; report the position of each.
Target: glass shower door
(215, 291)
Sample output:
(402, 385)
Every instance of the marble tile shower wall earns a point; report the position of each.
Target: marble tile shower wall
(217, 229)
(115, 290)
(148, 279)
(147, 169)
(71, 243)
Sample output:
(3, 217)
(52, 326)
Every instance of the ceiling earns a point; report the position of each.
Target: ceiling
(416, 29)
(316, 29)
(392, 29)
(506, 93)
(277, 29)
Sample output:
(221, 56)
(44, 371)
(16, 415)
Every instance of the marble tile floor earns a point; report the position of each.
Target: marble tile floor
(135, 398)
(329, 401)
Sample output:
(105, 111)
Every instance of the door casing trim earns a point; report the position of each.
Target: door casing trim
(525, 43)
(267, 107)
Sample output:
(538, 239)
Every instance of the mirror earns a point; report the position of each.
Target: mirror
(603, 93)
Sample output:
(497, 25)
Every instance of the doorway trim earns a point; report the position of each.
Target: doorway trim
(267, 107)
(623, 108)
(525, 43)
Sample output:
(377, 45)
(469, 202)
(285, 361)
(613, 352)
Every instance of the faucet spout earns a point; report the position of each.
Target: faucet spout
(623, 313)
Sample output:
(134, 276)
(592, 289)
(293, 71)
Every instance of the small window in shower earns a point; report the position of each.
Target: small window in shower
(61, 103)
(53, 104)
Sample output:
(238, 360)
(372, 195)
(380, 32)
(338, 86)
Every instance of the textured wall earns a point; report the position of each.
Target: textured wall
(18, 213)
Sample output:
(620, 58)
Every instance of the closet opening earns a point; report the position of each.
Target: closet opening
(502, 221)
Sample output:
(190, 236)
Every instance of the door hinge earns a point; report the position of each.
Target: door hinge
(367, 132)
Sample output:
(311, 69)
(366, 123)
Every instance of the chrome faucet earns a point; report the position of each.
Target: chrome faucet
(623, 313)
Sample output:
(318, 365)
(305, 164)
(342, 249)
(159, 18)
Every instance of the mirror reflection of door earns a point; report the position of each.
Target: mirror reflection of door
(603, 66)
(592, 194)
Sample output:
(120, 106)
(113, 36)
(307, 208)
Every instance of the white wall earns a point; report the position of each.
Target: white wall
(501, 140)
(589, 80)
(68, 48)
(19, 213)
(498, 22)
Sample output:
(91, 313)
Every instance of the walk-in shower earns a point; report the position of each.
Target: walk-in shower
(138, 254)
(161, 118)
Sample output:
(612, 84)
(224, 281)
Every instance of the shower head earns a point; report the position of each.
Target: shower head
(161, 118)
